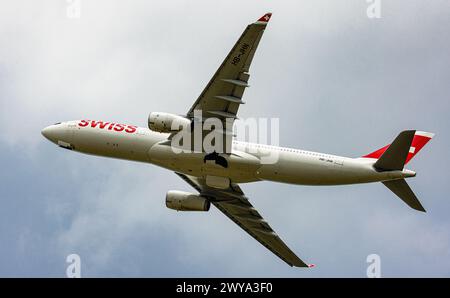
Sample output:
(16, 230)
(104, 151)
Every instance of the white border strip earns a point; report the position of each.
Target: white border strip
(425, 134)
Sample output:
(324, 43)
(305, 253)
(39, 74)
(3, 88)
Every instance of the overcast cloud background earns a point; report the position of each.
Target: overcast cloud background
(339, 82)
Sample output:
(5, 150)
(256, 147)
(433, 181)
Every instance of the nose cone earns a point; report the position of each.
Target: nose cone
(50, 133)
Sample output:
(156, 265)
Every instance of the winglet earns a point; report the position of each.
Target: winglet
(311, 265)
(265, 18)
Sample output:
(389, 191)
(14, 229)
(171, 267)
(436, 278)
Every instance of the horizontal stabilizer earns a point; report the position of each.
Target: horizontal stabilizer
(394, 157)
(404, 192)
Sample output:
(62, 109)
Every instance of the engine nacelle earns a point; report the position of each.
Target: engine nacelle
(165, 122)
(186, 201)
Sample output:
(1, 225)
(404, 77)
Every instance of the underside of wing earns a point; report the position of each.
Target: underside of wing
(223, 94)
(233, 203)
(245, 215)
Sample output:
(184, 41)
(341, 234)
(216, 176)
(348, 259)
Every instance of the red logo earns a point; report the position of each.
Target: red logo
(108, 125)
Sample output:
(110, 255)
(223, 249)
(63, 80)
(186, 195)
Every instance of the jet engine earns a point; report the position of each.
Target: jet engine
(165, 122)
(186, 201)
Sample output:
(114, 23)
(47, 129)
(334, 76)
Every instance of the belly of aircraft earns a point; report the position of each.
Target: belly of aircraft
(317, 171)
(239, 169)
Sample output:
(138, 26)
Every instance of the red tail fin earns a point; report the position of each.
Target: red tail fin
(420, 139)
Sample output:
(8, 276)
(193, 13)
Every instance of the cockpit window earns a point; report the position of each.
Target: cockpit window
(57, 123)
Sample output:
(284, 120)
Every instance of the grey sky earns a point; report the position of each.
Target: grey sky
(339, 82)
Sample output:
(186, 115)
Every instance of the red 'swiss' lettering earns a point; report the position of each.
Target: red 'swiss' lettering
(94, 123)
(119, 127)
(101, 124)
(108, 125)
(131, 128)
(83, 123)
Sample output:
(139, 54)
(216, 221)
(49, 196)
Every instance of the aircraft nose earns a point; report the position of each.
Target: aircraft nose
(50, 133)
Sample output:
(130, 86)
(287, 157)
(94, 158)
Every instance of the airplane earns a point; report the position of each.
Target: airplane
(216, 174)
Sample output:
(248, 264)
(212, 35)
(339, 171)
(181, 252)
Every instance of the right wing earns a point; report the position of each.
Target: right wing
(233, 203)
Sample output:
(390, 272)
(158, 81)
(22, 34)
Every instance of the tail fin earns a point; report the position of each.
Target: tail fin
(404, 192)
(394, 156)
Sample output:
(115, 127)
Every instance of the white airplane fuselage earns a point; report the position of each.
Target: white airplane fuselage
(245, 164)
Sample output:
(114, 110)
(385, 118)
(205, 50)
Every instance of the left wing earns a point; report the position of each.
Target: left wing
(233, 203)
(222, 96)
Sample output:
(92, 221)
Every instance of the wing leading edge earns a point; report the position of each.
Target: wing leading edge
(233, 203)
